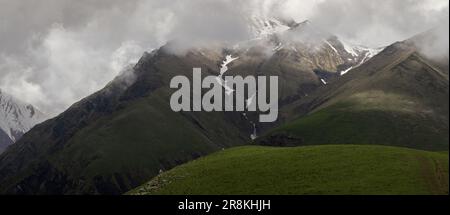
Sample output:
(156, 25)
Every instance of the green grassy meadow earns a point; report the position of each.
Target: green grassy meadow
(325, 169)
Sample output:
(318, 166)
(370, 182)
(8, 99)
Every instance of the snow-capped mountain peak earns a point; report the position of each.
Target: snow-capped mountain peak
(307, 38)
(262, 26)
(17, 117)
(358, 54)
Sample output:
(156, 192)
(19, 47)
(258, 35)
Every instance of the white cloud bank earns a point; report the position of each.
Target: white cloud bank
(55, 52)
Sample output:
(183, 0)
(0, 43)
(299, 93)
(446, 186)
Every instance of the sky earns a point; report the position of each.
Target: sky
(55, 52)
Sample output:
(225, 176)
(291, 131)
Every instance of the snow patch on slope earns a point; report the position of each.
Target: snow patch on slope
(223, 69)
(249, 101)
(361, 54)
(357, 50)
(349, 49)
(331, 46)
(345, 71)
(253, 136)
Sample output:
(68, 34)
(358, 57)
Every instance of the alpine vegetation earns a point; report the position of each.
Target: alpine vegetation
(234, 98)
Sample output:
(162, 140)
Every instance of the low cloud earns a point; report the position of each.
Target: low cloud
(434, 43)
(381, 22)
(55, 52)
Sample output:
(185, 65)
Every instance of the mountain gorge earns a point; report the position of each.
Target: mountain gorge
(331, 92)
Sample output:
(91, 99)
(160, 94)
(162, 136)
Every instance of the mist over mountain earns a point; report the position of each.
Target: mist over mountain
(72, 49)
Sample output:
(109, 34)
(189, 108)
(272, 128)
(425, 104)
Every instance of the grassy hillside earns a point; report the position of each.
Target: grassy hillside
(136, 142)
(351, 122)
(328, 169)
